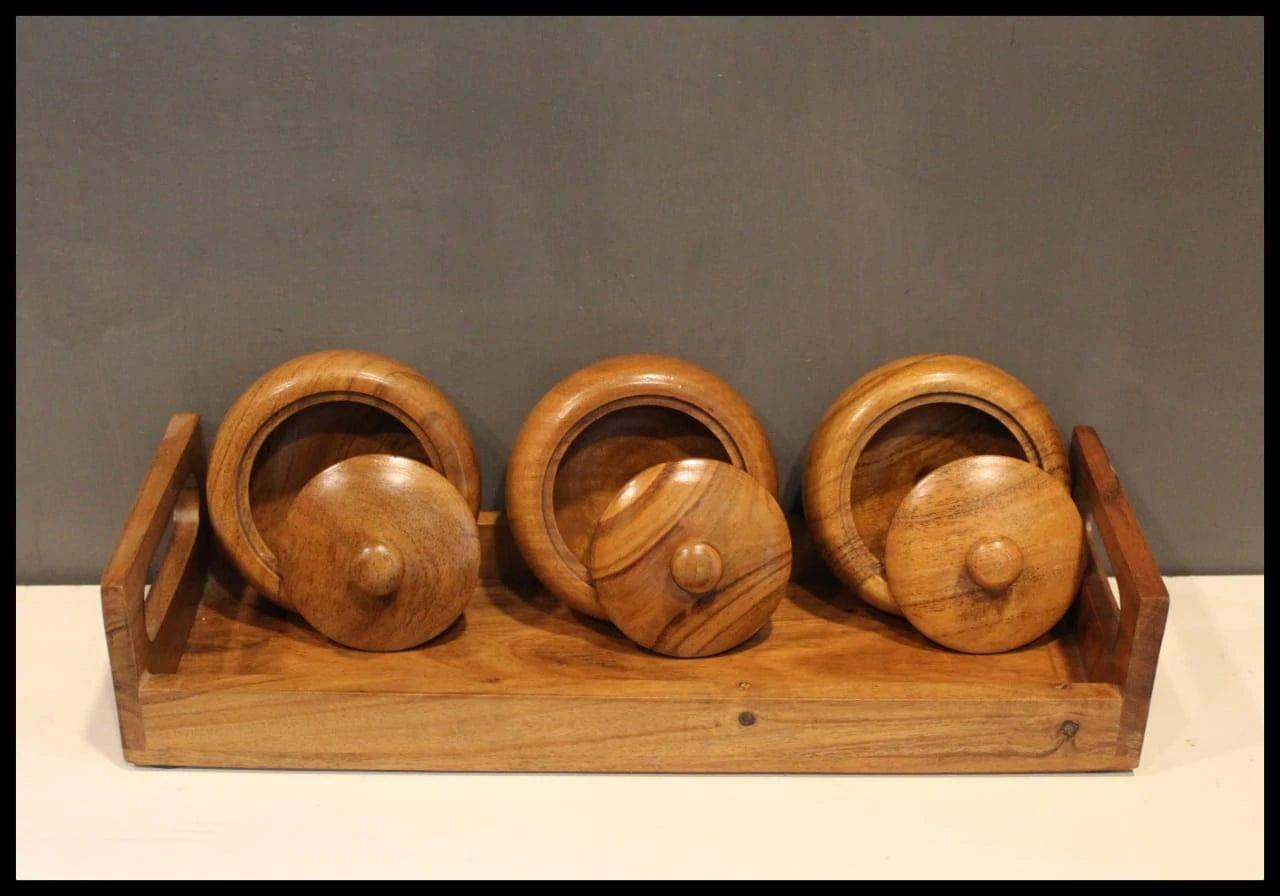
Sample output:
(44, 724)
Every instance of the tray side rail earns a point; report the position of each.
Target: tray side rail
(1118, 644)
(146, 631)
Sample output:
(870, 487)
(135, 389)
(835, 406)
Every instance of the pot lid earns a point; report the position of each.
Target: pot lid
(691, 557)
(379, 552)
(985, 554)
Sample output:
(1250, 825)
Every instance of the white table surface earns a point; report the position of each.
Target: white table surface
(1193, 808)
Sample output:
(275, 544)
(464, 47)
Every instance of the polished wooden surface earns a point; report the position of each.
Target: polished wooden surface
(308, 413)
(519, 682)
(892, 427)
(985, 554)
(608, 453)
(910, 446)
(148, 630)
(599, 427)
(379, 552)
(1119, 634)
(691, 558)
(309, 441)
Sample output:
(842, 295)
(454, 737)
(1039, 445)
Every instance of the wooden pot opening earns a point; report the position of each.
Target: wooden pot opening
(310, 440)
(908, 448)
(612, 449)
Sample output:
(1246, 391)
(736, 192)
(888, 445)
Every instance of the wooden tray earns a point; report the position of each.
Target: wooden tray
(207, 674)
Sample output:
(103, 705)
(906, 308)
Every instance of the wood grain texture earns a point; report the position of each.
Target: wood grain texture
(910, 446)
(1128, 637)
(379, 553)
(608, 453)
(136, 644)
(521, 683)
(849, 501)
(312, 440)
(262, 455)
(691, 558)
(1095, 617)
(595, 430)
(947, 732)
(985, 554)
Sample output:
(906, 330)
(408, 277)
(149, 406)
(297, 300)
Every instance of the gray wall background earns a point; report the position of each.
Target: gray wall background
(498, 202)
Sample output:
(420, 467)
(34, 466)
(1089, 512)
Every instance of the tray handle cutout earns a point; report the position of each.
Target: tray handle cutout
(145, 631)
(1117, 644)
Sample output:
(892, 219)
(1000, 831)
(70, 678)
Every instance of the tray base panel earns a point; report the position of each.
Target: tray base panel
(830, 686)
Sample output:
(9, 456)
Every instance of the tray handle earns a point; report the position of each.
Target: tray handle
(1117, 644)
(146, 631)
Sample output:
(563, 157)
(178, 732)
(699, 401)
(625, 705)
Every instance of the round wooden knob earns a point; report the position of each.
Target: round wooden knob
(377, 569)
(691, 558)
(994, 563)
(697, 568)
(595, 430)
(307, 414)
(890, 430)
(957, 572)
(379, 552)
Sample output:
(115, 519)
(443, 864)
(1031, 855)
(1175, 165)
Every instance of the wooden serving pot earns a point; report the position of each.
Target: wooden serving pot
(887, 434)
(621, 478)
(344, 485)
